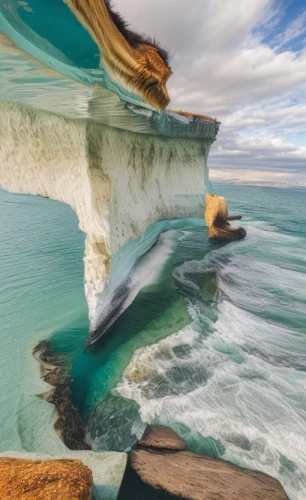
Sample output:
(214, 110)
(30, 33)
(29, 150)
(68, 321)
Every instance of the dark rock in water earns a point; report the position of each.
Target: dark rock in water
(162, 437)
(68, 425)
(234, 217)
(55, 377)
(195, 477)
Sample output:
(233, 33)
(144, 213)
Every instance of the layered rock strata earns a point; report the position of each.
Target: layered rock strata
(160, 436)
(119, 183)
(137, 61)
(181, 474)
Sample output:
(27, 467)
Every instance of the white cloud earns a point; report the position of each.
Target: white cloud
(223, 68)
(259, 178)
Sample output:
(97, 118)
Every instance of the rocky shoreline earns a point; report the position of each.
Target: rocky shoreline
(159, 468)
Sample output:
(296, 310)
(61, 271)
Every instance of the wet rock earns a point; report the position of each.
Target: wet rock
(195, 477)
(234, 217)
(162, 437)
(22, 479)
(68, 425)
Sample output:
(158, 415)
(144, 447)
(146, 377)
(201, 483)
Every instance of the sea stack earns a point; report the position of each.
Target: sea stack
(216, 215)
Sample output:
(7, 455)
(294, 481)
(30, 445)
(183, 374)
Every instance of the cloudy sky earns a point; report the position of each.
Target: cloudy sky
(245, 64)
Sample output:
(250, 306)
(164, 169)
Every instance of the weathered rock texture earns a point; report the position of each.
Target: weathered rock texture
(119, 183)
(133, 59)
(107, 469)
(160, 436)
(68, 424)
(216, 215)
(50, 480)
(195, 477)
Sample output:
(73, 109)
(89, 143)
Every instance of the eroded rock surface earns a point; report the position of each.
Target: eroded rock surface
(164, 471)
(22, 479)
(107, 469)
(160, 436)
(195, 477)
(68, 424)
(216, 215)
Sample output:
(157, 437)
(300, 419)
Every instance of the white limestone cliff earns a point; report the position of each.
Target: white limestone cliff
(118, 182)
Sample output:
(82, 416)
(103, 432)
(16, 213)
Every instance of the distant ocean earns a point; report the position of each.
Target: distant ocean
(227, 326)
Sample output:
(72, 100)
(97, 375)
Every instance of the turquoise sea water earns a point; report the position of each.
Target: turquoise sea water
(41, 291)
(214, 345)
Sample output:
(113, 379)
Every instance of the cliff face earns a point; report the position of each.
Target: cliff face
(118, 182)
(87, 127)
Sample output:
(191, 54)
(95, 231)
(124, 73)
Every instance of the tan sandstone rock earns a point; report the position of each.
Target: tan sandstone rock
(160, 436)
(195, 477)
(216, 215)
(22, 479)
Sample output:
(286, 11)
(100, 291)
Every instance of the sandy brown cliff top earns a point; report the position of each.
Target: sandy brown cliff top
(22, 479)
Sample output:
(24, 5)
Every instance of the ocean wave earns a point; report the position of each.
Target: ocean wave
(237, 373)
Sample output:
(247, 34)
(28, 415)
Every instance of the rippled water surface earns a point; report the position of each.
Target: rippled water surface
(41, 291)
(214, 344)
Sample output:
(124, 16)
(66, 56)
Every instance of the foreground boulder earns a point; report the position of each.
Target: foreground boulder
(159, 470)
(216, 215)
(22, 479)
(161, 436)
(195, 477)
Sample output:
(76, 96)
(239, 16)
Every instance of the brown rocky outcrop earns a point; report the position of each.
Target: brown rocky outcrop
(161, 436)
(167, 473)
(196, 477)
(216, 215)
(44, 480)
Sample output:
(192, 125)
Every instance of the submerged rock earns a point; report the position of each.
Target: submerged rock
(22, 479)
(216, 215)
(160, 436)
(68, 424)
